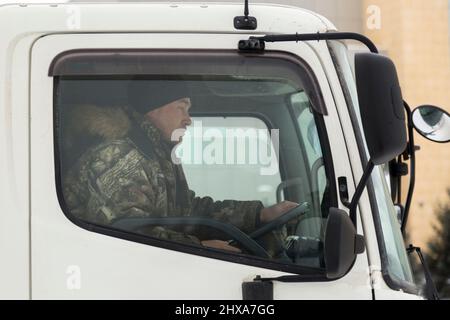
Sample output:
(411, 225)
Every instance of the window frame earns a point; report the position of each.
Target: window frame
(305, 273)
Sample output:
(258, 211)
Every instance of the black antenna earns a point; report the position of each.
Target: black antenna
(245, 22)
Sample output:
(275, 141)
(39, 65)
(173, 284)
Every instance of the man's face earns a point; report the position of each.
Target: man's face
(172, 119)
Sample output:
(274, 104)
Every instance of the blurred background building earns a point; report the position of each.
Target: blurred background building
(415, 34)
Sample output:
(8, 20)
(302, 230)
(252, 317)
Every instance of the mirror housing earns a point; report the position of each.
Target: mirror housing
(432, 123)
(341, 244)
(381, 106)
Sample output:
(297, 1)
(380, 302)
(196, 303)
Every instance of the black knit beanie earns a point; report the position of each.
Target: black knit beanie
(148, 95)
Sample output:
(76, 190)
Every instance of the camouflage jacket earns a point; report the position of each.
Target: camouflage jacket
(134, 176)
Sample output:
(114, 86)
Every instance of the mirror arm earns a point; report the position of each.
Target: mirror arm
(359, 190)
(411, 150)
(399, 181)
(397, 169)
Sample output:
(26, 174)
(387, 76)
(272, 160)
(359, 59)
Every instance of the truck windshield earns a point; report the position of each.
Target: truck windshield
(395, 264)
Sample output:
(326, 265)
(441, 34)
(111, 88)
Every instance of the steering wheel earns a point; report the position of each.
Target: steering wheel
(248, 242)
(281, 220)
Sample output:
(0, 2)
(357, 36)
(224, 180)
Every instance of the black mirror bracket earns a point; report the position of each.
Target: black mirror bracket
(398, 168)
(359, 190)
(411, 149)
(343, 191)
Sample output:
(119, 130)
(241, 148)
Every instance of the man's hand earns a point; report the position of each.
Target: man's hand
(270, 213)
(219, 244)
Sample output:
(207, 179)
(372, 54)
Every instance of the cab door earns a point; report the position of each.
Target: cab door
(79, 259)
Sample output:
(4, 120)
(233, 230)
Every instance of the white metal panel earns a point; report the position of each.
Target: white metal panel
(154, 17)
(14, 170)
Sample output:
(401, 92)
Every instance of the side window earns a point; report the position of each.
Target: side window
(208, 160)
(238, 159)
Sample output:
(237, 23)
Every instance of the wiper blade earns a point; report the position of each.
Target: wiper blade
(257, 43)
(431, 291)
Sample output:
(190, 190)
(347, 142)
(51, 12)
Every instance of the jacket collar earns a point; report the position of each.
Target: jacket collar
(161, 147)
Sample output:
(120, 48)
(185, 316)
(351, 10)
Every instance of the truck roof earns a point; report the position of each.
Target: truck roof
(155, 17)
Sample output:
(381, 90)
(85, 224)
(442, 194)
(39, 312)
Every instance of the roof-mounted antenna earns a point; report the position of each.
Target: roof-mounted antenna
(245, 22)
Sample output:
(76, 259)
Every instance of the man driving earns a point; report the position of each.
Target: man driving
(131, 172)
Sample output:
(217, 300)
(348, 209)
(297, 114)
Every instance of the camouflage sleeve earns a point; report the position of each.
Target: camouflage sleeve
(242, 214)
(168, 234)
(117, 185)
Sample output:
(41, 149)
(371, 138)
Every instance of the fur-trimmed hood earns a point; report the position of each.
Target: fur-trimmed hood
(107, 123)
(86, 125)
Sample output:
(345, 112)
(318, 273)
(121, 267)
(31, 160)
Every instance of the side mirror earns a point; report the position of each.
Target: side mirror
(341, 245)
(381, 106)
(432, 122)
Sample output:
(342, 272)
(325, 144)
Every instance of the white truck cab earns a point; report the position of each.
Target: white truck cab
(329, 129)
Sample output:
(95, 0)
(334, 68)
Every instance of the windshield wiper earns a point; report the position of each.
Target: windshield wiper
(258, 43)
(431, 292)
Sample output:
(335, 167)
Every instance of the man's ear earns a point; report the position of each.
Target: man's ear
(152, 115)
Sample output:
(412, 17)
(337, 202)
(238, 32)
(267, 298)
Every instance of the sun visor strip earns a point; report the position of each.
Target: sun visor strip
(145, 62)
